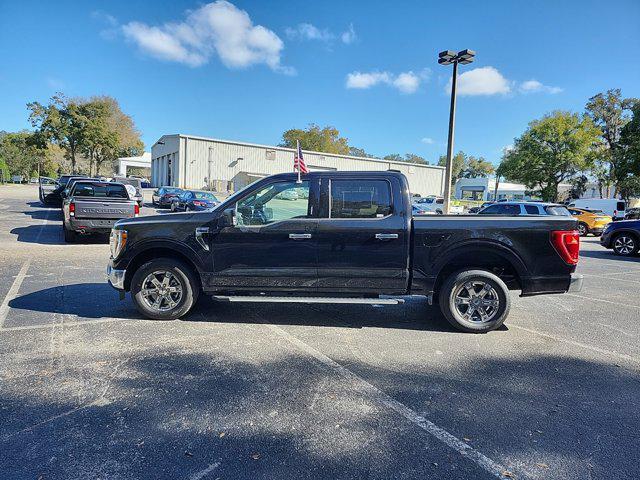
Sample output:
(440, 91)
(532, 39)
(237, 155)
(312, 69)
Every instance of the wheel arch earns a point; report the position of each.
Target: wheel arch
(490, 257)
(158, 252)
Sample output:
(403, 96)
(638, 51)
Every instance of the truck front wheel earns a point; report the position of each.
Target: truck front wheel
(164, 289)
(474, 301)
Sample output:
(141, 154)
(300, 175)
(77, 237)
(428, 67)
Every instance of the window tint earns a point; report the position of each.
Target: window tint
(532, 210)
(440, 201)
(557, 210)
(273, 203)
(501, 209)
(620, 206)
(360, 198)
(99, 190)
(206, 196)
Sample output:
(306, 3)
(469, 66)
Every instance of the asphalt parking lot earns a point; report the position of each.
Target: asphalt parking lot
(90, 390)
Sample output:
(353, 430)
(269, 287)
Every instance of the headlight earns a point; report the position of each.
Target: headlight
(117, 241)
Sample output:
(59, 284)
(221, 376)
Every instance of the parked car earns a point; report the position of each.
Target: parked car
(193, 200)
(93, 206)
(590, 221)
(134, 182)
(418, 210)
(51, 190)
(632, 214)
(354, 240)
(288, 195)
(525, 208)
(436, 204)
(163, 195)
(610, 206)
(473, 210)
(622, 237)
(70, 184)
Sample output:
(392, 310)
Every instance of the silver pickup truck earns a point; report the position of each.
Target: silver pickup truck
(94, 206)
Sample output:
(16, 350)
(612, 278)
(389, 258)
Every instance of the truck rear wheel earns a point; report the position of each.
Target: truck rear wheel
(474, 301)
(164, 289)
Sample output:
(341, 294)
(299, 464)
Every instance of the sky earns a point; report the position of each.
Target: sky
(249, 70)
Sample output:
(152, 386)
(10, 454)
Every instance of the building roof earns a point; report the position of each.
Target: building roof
(292, 150)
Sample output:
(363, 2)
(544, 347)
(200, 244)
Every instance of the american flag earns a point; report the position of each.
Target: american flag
(298, 161)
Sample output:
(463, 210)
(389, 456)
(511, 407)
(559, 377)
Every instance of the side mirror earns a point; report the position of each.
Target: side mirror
(65, 193)
(228, 218)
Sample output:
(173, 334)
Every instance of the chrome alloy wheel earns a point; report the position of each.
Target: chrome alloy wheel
(161, 290)
(476, 301)
(624, 245)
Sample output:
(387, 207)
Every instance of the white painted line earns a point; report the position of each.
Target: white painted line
(66, 324)
(464, 449)
(619, 304)
(636, 270)
(603, 351)
(13, 292)
(611, 278)
(205, 472)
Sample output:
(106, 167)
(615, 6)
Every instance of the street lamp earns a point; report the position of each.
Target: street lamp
(449, 57)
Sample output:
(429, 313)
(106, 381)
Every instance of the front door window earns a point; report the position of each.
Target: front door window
(274, 203)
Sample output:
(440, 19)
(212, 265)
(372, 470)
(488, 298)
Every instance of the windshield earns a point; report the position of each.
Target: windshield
(205, 196)
(557, 210)
(164, 190)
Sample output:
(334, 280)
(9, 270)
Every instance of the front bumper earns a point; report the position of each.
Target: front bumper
(116, 277)
(575, 284)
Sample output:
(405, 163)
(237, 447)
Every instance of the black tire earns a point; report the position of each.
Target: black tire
(182, 274)
(69, 235)
(496, 312)
(625, 244)
(583, 228)
(187, 209)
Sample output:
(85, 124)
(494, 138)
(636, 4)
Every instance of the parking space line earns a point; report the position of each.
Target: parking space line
(611, 278)
(13, 292)
(453, 442)
(619, 304)
(42, 326)
(204, 472)
(603, 351)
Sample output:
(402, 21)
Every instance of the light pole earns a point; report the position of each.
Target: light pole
(449, 57)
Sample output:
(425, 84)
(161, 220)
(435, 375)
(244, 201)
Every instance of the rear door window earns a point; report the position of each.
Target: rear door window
(532, 210)
(360, 199)
(620, 206)
(501, 209)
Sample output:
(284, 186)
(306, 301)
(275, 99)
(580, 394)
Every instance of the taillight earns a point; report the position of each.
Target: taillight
(72, 209)
(199, 203)
(567, 244)
(136, 209)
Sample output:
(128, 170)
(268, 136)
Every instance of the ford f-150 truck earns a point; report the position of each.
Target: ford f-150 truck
(348, 237)
(94, 207)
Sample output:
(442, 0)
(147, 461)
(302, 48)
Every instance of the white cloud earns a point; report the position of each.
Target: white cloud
(481, 81)
(533, 86)
(405, 82)
(308, 31)
(349, 36)
(217, 28)
(428, 140)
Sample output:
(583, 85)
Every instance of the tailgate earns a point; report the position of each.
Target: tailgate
(104, 208)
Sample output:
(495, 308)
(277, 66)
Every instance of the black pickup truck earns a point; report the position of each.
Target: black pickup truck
(341, 237)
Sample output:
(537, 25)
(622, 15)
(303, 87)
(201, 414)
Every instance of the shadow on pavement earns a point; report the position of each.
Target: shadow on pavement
(257, 411)
(52, 235)
(104, 302)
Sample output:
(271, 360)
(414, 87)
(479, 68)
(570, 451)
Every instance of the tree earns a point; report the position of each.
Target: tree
(458, 164)
(62, 122)
(578, 186)
(393, 157)
(630, 187)
(551, 151)
(326, 139)
(610, 112)
(630, 145)
(359, 152)
(413, 158)
(477, 167)
(23, 154)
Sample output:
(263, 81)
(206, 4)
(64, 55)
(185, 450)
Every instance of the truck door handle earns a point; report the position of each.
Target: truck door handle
(299, 236)
(386, 236)
(200, 231)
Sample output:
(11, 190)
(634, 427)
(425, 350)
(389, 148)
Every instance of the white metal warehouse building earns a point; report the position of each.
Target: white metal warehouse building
(196, 162)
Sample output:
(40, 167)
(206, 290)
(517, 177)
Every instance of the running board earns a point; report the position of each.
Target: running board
(334, 300)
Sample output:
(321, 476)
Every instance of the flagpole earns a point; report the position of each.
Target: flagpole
(297, 156)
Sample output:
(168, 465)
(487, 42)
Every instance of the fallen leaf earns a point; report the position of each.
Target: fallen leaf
(222, 434)
(542, 465)
(255, 456)
(466, 439)
(508, 474)
(188, 454)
